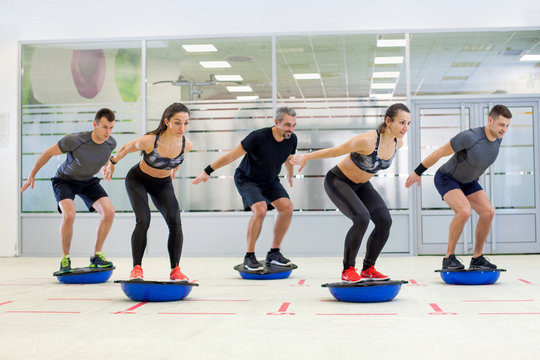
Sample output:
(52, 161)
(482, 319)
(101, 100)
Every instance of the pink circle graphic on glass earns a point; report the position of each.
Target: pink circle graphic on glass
(88, 71)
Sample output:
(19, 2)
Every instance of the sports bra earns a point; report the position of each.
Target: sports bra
(372, 163)
(156, 161)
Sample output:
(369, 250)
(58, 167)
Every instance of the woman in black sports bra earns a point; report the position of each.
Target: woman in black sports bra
(163, 151)
(348, 186)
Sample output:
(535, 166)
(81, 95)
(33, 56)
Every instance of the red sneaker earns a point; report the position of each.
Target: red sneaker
(350, 275)
(373, 275)
(136, 273)
(177, 275)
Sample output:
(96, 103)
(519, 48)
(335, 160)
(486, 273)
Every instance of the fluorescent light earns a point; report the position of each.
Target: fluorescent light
(389, 60)
(386, 74)
(239, 88)
(312, 76)
(228, 78)
(383, 86)
(391, 43)
(530, 58)
(215, 64)
(381, 96)
(247, 98)
(200, 48)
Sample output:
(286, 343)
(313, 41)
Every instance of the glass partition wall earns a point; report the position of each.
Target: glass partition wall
(340, 86)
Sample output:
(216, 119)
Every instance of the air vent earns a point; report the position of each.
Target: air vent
(487, 47)
(240, 58)
(455, 77)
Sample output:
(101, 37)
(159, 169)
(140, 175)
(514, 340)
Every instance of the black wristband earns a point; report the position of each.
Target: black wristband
(208, 170)
(420, 169)
(112, 161)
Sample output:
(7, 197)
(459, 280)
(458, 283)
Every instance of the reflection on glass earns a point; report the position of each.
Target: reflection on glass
(63, 85)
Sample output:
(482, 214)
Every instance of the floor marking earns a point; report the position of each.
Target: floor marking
(6, 302)
(300, 283)
(439, 311)
(413, 282)
(537, 313)
(282, 310)
(212, 300)
(45, 312)
(83, 299)
(129, 310)
(525, 281)
(186, 313)
(496, 300)
(234, 285)
(366, 314)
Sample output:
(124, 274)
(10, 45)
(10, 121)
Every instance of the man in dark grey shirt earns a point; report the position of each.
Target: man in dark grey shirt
(87, 152)
(457, 181)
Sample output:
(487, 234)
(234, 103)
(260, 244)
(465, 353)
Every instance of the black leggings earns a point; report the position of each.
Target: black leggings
(139, 185)
(360, 203)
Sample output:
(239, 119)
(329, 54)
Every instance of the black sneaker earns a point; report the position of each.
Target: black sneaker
(277, 259)
(481, 263)
(100, 261)
(452, 263)
(251, 263)
(65, 265)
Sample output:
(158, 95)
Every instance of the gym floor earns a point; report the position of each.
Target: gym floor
(227, 317)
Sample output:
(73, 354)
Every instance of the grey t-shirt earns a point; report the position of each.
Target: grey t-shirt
(474, 153)
(84, 157)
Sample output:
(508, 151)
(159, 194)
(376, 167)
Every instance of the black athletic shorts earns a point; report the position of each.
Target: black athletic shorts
(253, 192)
(88, 190)
(446, 182)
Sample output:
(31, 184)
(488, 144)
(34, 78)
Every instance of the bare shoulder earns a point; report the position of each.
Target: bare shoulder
(146, 142)
(189, 145)
(399, 143)
(365, 143)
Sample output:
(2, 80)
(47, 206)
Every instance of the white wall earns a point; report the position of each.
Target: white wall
(50, 20)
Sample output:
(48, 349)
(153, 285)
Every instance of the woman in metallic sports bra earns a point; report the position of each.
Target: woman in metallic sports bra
(163, 151)
(348, 186)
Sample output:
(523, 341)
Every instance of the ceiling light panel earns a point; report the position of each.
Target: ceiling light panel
(311, 76)
(530, 58)
(215, 64)
(247, 98)
(239, 88)
(200, 48)
(229, 78)
(383, 86)
(385, 74)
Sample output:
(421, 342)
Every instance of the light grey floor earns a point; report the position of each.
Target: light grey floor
(230, 318)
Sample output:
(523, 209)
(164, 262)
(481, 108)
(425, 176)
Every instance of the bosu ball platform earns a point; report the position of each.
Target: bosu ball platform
(86, 275)
(141, 290)
(470, 277)
(270, 272)
(365, 292)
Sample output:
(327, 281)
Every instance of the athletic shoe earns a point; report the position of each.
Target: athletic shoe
(481, 263)
(350, 275)
(136, 273)
(275, 257)
(371, 274)
(100, 261)
(251, 263)
(177, 275)
(65, 265)
(452, 263)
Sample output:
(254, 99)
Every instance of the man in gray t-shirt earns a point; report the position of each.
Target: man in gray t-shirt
(473, 150)
(87, 152)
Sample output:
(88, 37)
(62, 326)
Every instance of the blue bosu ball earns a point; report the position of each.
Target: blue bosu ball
(85, 275)
(270, 272)
(141, 290)
(470, 277)
(365, 292)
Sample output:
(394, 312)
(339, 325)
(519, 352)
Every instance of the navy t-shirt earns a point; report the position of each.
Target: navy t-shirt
(265, 155)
